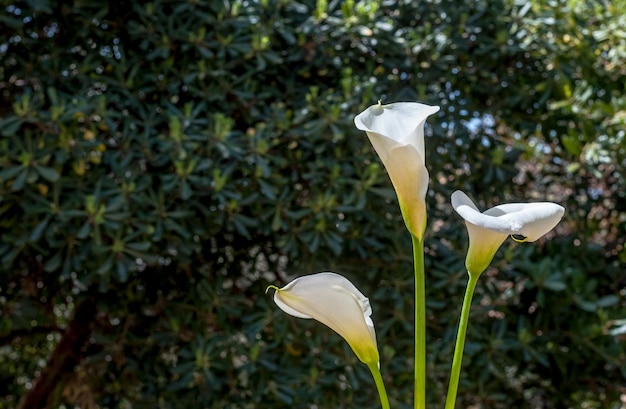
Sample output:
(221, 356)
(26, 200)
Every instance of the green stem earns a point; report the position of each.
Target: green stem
(380, 385)
(420, 324)
(460, 342)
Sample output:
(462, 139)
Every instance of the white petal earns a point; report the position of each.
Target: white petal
(459, 198)
(488, 230)
(410, 178)
(302, 286)
(483, 245)
(470, 213)
(278, 300)
(396, 132)
(334, 301)
(402, 122)
(531, 220)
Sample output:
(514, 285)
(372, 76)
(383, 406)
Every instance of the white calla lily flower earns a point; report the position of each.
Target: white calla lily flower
(396, 132)
(488, 230)
(335, 302)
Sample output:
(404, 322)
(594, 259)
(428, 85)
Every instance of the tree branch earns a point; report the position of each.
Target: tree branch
(67, 354)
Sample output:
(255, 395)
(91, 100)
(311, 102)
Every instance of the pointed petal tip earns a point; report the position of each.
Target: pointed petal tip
(459, 199)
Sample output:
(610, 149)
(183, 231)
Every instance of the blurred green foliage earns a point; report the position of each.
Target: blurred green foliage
(164, 161)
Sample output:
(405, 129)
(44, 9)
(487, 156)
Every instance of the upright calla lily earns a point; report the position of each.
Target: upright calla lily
(335, 302)
(488, 230)
(397, 133)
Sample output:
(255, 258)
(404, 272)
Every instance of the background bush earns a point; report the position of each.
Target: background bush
(163, 162)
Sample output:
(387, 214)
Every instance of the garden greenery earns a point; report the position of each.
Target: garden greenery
(162, 162)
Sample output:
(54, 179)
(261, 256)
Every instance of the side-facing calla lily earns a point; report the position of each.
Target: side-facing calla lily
(488, 230)
(334, 301)
(397, 133)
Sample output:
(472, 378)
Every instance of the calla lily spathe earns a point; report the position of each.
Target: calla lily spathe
(335, 302)
(488, 230)
(397, 133)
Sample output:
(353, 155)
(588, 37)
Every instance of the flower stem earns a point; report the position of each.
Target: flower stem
(460, 342)
(380, 385)
(420, 325)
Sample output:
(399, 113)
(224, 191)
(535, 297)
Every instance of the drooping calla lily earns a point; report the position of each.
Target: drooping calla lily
(488, 230)
(334, 301)
(397, 133)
